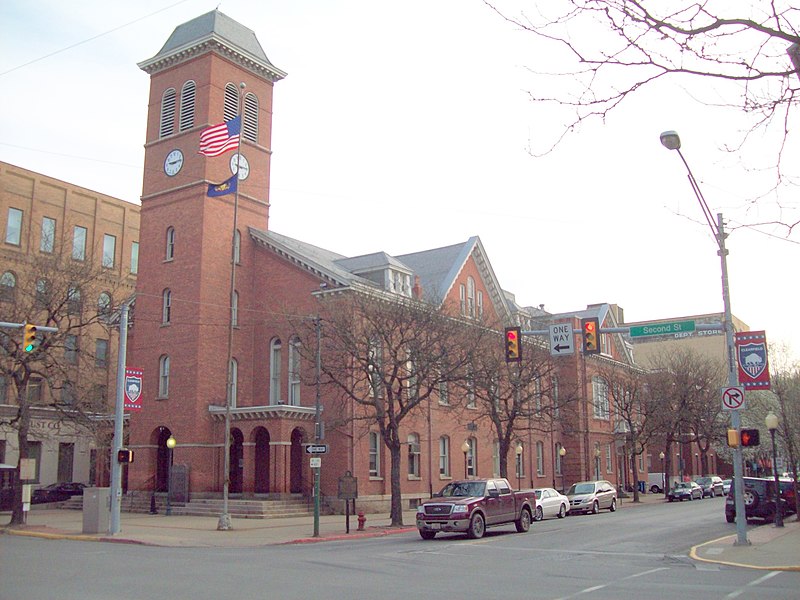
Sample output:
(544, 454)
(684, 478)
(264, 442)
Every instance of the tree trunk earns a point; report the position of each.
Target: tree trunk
(397, 493)
(635, 478)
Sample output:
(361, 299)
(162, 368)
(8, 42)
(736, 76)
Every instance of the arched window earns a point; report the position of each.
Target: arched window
(237, 243)
(413, 455)
(167, 113)
(163, 376)
(104, 304)
(250, 125)
(231, 106)
(187, 105)
(444, 456)
(294, 372)
(235, 309)
(275, 372)
(234, 383)
(169, 253)
(8, 286)
(166, 306)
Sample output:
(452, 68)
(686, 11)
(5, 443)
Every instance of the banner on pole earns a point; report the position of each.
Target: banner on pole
(751, 357)
(133, 389)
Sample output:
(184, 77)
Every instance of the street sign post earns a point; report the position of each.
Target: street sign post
(562, 341)
(662, 328)
(317, 449)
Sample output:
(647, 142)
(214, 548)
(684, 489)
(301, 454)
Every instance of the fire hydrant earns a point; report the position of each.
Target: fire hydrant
(361, 520)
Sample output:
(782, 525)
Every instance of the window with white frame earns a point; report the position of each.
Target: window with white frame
(480, 304)
(8, 287)
(250, 124)
(109, 250)
(188, 92)
(414, 452)
(230, 107)
(462, 297)
(374, 368)
(600, 398)
(233, 390)
(539, 459)
(554, 396)
(79, 242)
(559, 459)
(374, 455)
(168, 101)
(100, 353)
(470, 297)
(519, 459)
(163, 376)
(47, 242)
(444, 456)
(294, 371)
(235, 309)
(472, 457)
(275, 372)
(609, 461)
(471, 389)
(14, 227)
(134, 258)
(166, 306)
(169, 251)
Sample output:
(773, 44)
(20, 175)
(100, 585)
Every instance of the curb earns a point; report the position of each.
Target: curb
(694, 556)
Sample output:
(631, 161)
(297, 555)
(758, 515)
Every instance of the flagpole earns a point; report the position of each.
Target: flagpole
(224, 523)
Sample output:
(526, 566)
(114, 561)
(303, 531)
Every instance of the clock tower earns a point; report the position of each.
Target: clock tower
(211, 69)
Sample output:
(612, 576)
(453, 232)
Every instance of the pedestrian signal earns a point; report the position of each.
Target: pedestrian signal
(750, 437)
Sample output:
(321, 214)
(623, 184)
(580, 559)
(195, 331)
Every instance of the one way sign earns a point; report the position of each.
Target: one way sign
(562, 342)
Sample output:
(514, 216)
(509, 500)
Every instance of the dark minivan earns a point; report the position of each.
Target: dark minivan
(759, 499)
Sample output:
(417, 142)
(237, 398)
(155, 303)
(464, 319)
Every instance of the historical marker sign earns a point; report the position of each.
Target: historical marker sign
(562, 342)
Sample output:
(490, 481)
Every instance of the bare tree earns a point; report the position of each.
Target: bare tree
(59, 379)
(612, 49)
(386, 356)
(785, 388)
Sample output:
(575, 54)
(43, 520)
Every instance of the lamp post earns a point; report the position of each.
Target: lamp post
(661, 455)
(171, 443)
(672, 141)
(562, 452)
(771, 421)
(465, 449)
(518, 450)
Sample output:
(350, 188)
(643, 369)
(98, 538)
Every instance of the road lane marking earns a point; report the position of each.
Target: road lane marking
(753, 583)
(594, 588)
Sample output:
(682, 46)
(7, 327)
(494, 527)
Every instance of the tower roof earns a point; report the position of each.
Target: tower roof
(214, 31)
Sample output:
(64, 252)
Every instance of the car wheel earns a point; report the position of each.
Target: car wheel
(562, 512)
(523, 524)
(426, 534)
(538, 515)
(654, 489)
(477, 526)
(750, 499)
(595, 507)
(613, 506)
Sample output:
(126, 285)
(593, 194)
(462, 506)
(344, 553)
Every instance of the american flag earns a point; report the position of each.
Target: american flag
(218, 139)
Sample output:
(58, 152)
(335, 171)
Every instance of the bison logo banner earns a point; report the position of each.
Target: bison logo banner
(133, 389)
(751, 356)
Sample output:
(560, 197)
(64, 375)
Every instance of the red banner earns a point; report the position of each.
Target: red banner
(751, 357)
(133, 389)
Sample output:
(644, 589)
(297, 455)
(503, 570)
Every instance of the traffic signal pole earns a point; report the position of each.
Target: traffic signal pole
(119, 410)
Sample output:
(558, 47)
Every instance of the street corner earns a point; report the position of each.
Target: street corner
(768, 548)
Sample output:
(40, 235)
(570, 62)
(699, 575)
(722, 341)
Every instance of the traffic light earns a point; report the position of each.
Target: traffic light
(590, 328)
(124, 456)
(513, 344)
(750, 437)
(733, 438)
(29, 338)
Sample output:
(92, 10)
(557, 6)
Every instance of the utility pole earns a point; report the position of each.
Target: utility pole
(116, 467)
(318, 433)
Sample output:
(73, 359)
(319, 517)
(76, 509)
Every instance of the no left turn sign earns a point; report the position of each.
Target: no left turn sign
(732, 398)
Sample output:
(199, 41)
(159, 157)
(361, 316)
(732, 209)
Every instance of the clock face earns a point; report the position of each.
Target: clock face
(244, 166)
(173, 163)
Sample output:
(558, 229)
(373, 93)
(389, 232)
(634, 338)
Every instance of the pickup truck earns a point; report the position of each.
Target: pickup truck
(471, 505)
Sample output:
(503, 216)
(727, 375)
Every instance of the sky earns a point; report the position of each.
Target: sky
(404, 126)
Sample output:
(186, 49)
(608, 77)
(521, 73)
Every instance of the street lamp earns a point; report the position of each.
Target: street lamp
(518, 451)
(562, 452)
(465, 449)
(171, 443)
(671, 141)
(771, 421)
(661, 455)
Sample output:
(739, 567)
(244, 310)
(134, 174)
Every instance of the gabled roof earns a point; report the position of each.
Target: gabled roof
(214, 31)
(371, 262)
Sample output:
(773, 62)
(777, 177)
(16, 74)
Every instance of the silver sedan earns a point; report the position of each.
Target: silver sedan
(550, 503)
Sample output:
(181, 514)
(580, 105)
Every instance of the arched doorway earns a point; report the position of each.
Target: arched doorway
(261, 482)
(237, 461)
(163, 456)
(296, 462)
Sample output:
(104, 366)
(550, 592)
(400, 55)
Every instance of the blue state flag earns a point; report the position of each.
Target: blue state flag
(221, 189)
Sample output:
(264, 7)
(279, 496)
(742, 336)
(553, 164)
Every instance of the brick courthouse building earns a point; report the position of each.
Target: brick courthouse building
(183, 309)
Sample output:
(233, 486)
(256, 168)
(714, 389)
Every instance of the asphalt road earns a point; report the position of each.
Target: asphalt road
(637, 552)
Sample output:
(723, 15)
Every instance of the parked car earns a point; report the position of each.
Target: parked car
(591, 496)
(685, 490)
(57, 492)
(759, 499)
(726, 486)
(470, 506)
(550, 503)
(712, 486)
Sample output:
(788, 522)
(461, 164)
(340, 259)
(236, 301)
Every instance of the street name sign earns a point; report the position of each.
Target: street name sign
(562, 342)
(733, 397)
(662, 328)
(317, 449)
